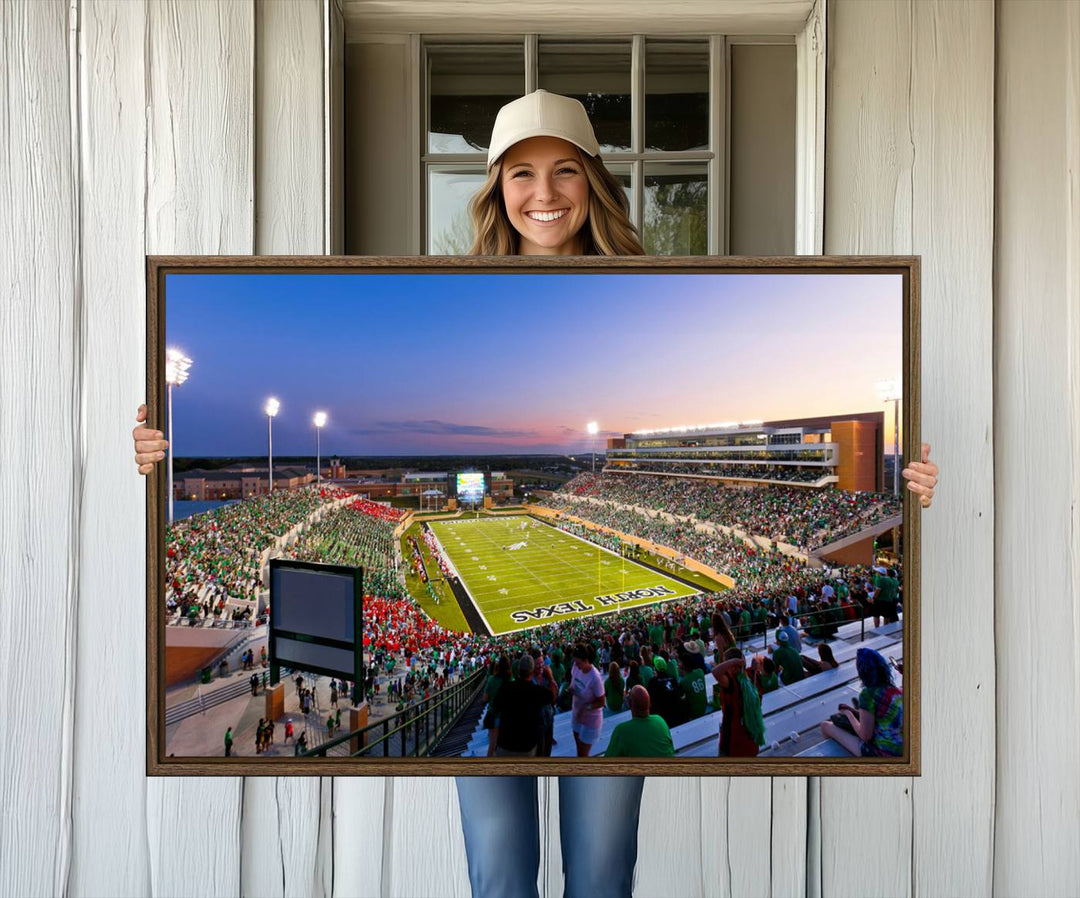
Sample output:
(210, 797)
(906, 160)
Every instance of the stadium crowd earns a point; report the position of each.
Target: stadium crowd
(213, 557)
(358, 534)
(775, 473)
(803, 518)
(666, 650)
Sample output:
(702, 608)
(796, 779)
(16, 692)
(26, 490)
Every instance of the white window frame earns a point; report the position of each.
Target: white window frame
(809, 42)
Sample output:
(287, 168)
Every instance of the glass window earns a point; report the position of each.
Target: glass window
(467, 84)
(450, 188)
(651, 104)
(676, 95)
(624, 174)
(597, 74)
(676, 213)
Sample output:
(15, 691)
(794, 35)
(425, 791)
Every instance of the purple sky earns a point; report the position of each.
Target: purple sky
(485, 363)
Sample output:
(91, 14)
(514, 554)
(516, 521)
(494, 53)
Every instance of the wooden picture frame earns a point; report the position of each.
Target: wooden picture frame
(160, 762)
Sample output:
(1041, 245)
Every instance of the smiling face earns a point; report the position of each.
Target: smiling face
(546, 195)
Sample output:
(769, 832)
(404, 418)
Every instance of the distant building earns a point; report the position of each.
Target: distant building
(842, 450)
(242, 481)
(237, 482)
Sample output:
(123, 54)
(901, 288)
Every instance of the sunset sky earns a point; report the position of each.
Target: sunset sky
(485, 363)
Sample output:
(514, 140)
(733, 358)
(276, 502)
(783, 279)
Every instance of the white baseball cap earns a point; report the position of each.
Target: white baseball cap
(541, 114)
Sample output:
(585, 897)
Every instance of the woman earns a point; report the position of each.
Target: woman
(587, 712)
(614, 688)
(877, 725)
(723, 638)
(547, 193)
(545, 678)
(738, 736)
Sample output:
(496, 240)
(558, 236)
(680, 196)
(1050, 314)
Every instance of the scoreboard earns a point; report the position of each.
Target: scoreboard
(470, 486)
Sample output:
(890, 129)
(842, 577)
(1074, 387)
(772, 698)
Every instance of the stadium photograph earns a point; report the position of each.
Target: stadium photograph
(634, 515)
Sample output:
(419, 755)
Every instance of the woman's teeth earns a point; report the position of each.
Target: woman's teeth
(546, 216)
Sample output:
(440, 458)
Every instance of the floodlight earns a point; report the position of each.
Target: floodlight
(890, 390)
(893, 391)
(593, 428)
(272, 406)
(319, 420)
(176, 372)
(176, 367)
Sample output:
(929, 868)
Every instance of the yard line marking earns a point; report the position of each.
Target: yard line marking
(544, 558)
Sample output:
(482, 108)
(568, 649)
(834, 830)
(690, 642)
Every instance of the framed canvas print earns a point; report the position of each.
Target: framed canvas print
(453, 516)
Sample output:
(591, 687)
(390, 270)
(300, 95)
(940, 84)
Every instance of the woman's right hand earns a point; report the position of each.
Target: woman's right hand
(149, 444)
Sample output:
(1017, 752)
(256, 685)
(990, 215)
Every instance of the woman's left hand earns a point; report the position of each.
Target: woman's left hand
(922, 477)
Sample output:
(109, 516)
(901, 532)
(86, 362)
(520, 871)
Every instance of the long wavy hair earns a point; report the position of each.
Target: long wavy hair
(607, 231)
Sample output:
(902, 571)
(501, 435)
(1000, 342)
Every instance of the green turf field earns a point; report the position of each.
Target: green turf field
(548, 575)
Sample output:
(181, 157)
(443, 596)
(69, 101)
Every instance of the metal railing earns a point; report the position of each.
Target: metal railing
(744, 639)
(211, 623)
(411, 732)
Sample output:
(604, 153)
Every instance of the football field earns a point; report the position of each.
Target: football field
(521, 573)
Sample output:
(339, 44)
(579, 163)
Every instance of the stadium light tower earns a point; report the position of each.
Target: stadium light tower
(893, 391)
(271, 409)
(320, 422)
(176, 372)
(593, 429)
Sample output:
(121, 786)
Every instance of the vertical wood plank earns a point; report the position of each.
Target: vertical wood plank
(551, 875)
(672, 839)
(704, 836)
(200, 183)
(199, 198)
(810, 134)
(423, 847)
(40, 429)
(1037, 446)
(334, 126)
(813, 837)
(282, 816)
(749, 840)
(360, 809)
(289, 127)
(910, 158)
(868, 195)
(715, 819)
(110, 853)
(790, 802)
(953, 229)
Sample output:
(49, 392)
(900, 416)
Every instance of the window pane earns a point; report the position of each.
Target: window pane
(597, 74)
(466, 87)
(676, 95)
(623, 174)
(449, 191)
(676, 209)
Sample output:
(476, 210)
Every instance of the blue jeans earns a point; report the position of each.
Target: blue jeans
(598, 822)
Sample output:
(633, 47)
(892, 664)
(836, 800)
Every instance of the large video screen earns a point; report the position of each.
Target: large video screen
(470, 487)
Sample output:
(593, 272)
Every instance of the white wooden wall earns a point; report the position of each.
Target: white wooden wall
(953, 131)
